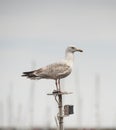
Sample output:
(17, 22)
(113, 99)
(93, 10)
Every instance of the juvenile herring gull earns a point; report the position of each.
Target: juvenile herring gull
(56, 70)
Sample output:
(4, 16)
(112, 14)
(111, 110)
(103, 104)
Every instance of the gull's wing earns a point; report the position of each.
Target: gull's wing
(52, 71)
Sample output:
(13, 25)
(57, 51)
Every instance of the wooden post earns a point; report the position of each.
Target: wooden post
(58, 97)
(60, 106)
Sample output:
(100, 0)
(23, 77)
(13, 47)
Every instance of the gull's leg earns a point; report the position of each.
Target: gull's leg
(56, 84)
(59, 84)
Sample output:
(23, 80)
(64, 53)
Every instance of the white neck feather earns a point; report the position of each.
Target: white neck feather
(69, 56)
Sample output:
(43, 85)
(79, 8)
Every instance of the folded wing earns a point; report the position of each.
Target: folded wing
(53, 71)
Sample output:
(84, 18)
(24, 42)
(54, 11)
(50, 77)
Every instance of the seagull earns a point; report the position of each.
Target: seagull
(57, 70)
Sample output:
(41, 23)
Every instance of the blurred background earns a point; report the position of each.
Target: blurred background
(34, 33)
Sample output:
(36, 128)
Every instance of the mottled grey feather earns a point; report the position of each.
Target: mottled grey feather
(53, 71)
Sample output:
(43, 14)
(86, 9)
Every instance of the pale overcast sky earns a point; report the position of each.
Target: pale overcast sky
(36, 33)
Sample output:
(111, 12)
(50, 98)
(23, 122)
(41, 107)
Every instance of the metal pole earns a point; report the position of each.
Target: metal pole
(60, 112)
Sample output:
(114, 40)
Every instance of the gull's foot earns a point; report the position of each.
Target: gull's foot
(56, 92)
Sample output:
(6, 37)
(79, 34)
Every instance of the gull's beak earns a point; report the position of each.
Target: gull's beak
(79, 50)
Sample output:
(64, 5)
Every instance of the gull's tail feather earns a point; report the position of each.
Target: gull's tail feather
(29, 74)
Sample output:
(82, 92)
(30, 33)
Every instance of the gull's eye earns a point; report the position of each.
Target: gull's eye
(72, 47)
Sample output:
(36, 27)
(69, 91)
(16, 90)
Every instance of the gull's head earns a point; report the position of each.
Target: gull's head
(73, 49)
